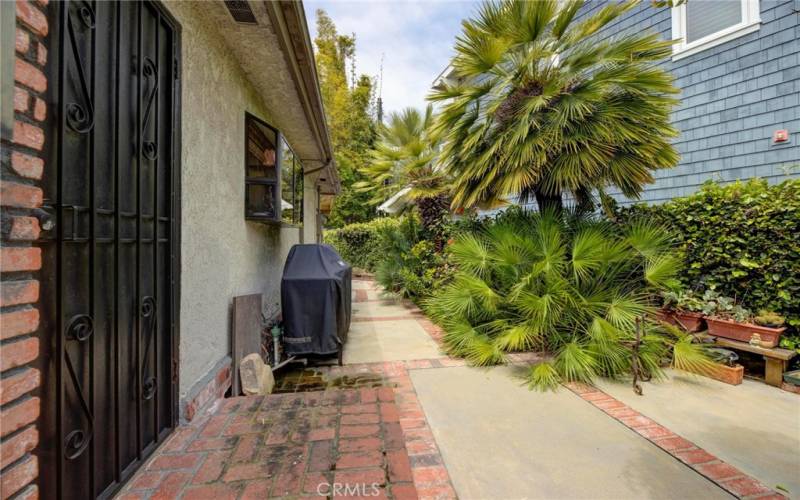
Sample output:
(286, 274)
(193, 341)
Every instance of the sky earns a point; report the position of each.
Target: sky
(416, 39)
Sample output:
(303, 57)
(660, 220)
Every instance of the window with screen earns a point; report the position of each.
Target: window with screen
(702, 24)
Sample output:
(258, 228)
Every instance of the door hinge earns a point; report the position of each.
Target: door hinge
(176, 69)
(174, 371)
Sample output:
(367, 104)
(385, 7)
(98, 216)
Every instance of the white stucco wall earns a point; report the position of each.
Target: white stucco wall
(222, 255)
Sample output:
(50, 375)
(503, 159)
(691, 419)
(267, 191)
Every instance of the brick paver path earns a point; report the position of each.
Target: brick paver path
(286, 445)
(371, 442)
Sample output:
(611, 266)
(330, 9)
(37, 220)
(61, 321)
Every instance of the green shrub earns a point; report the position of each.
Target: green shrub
(572, 287)
(741, 240)
(409, 264)
(360, 244)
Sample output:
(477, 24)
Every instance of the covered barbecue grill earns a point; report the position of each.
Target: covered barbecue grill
(316, 301)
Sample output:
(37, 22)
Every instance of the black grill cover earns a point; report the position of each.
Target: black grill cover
(316, 300)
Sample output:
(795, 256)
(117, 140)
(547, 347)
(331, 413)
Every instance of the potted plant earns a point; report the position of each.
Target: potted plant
(729, 320)
(683, 309)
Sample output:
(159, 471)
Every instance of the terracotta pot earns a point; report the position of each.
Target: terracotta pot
(689, 321)
(743, 332)
(732, 375)
(666, 315)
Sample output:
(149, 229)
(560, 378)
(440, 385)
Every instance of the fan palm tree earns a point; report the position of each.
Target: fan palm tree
(541, 107)
(403, 162)
(571, 287)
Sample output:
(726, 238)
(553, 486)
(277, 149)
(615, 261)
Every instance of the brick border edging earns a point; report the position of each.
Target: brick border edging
(721, 473)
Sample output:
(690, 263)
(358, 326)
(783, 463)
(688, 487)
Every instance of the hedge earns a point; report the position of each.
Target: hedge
(742, 239)
(360, 243)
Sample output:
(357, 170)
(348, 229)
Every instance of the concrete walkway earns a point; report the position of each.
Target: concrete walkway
(499, 440)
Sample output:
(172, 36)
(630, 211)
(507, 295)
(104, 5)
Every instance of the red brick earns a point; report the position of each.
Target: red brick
(771, 496)
(216, 491)
(181, 461)
(399, 466)
(389, 412)
(29, 75)
(18, 353)
(654, 432)
(596, 396)
(368, 396)
(18, 416)
(22, 41)
(694, 457)
(404, 492)
(20, 259)
(214, 426)
(412, 423)
(289, 481)
(386, 395)
(360, 444)
(622, 412)
(32, 17)
(320, 434)
(14, 448)
(239, 472)
(421, 448)
(745, 487)
(359, 409)
(366, 477)
(366, 418)
(320, 456)
(637, 421)
(21, 100)
(20, 195)
(359, 460)
(19, 323)
(146, 481)
(24, 228)
(211, 444)
(316, 483)
(211, 468)
(17, 477)
(27, 166)
(674, 443)
(608, 404)
(179, 439)
(41, 54)
(719, 471)
(358, 430)
(39, 110)
(171, 486)
(16, 385)
(256, 490)
(393, 436)
(430, 475)
(246, 448)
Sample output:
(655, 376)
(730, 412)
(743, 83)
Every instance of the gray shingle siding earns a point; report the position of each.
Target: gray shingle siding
(733, 97)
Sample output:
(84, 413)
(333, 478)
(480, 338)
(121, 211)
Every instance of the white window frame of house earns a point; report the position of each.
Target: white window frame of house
(751, 21)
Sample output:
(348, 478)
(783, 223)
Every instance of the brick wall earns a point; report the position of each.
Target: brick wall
(22, 166)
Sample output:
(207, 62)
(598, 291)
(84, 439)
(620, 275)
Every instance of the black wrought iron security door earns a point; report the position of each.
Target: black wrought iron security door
(109, 271)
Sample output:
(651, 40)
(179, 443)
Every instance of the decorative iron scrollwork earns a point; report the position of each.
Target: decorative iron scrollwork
(79, 328)
(80, 116)
(150, 73)
(149, 314)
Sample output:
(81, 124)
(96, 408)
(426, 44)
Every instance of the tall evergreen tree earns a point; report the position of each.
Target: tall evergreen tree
(348, 109)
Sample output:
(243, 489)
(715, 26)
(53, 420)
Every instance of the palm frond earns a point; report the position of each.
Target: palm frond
(543, 377)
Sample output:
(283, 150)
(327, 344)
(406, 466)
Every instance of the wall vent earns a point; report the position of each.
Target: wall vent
(240, 11)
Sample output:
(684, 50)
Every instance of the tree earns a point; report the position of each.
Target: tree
(348, 112)
(543, 108)
(404, 159)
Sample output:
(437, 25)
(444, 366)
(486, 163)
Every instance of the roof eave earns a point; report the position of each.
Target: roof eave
(289, 22)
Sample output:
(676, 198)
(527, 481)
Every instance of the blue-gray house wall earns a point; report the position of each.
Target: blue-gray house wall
(733, 97)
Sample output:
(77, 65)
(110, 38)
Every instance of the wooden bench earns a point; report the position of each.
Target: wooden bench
(777, 359)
